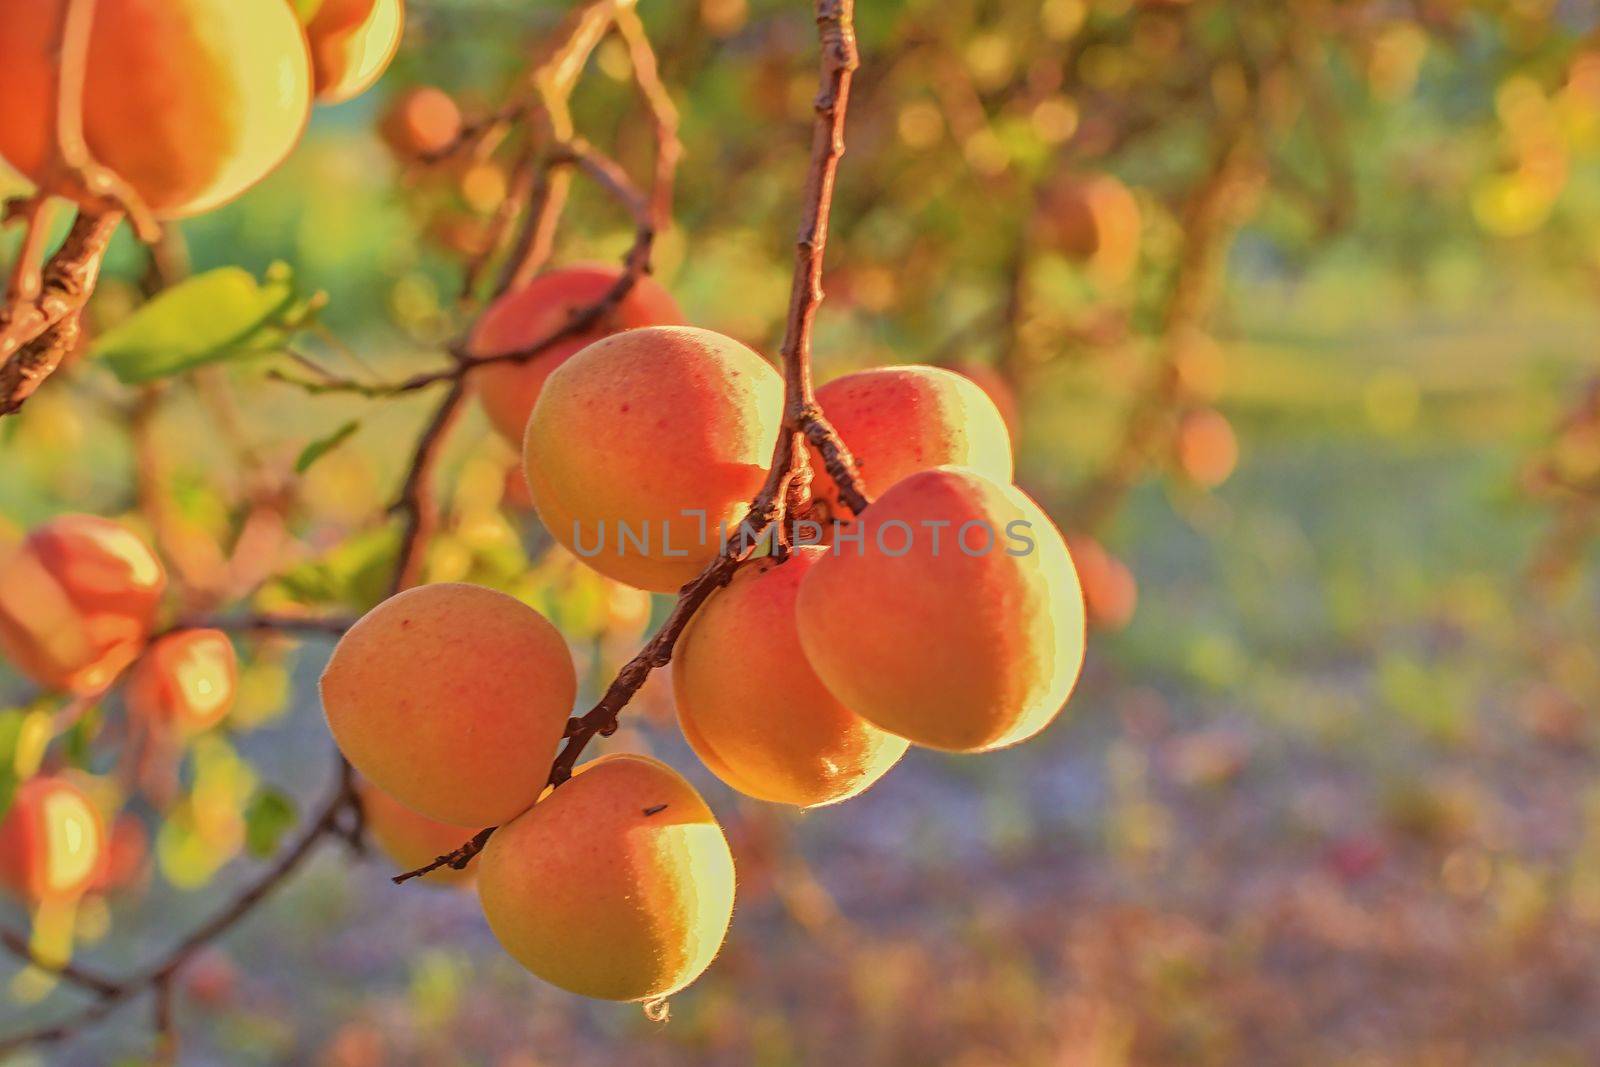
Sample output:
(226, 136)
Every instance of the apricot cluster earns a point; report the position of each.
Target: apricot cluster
(188, 102)
(947, 615)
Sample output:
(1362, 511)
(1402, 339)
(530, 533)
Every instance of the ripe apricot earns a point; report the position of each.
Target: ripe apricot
(1205, 447)
(997, 387)
(420, 122)
(452, 698)
(523, 316)
(186, 681)
(752, 708)
(411, 840)
(352, 42)
(52, 841)
(190, 102)
(1110, 592)
(77, 599)
(1094, 219)
(898, 420)
(951, 616)
(646, 445)
(617, 885)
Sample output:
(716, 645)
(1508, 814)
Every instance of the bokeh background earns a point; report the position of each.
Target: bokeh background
(1327, 797)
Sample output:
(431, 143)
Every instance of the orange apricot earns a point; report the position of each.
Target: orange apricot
(52, 842)
(190, 102)
(1110, 592)
(411, 840)
(948, 614)
(752, 708)
(1094, 219)
(898, 420)
(185, 681)
(420, 122)
(523, 316)
(77, 599)
(452, 699)
(352, 42)
(645, 447)
(1205, 447)
(617, 885)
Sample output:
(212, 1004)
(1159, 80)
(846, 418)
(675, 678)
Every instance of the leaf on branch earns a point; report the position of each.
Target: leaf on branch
(222, 314)
(270, 816)
(323, 445)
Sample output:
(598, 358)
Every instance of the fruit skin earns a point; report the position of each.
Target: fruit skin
(1205, 447)
(52, 842)
(77, 599)
(411, 840)
(352, 42)
(185, 681)
(420, 122)
(617, 885)
(1110, 591)
(898, 420)
(190, 102)
(508, 391)
(752, 708)
(688, 419)
(1095, 220)
(452, 698)
(951, 648)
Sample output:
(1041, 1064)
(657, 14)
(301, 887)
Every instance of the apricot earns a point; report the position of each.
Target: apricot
(411, 840)
(898, 420)
(452, 699)
(1110, 592)
(1205, 447)
(352, 42)
(1095, 220)
(687, 419)
(950, 615)
(523, 316)
(754, 711)
(998, 388)
(190, 102)
(185, 681)
(77, 599)
(617, 885)
(420, 122)
(52, 842)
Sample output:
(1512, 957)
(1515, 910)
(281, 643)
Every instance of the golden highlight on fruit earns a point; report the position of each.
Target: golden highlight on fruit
(52, 842)
(508, 391)
(411, 840)
(352, 42)
(617, 885)
(955, 621)
(186, 681)
(190, 102)
(77, 599)
(752, 708)
(452, 698)
(898, 420)
(688, 419)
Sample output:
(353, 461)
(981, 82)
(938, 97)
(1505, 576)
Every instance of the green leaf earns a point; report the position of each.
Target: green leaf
(323, 445)
(270, 816)
(222, 314)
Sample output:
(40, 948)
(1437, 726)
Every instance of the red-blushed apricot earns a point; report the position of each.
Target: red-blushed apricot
(420, 122)
(950, 616)
(411, 840)
(1205, 447)
(127, 854)
(185, 681)
(752, 708)
(52, 842)
(998, 388)
(1110, 592)
(523, 316)
(617, 885)
(452, 699)
(77, 599)
(898, 420)
(352, 42)
(647, 445)
(1096, 220)
(190, 102)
